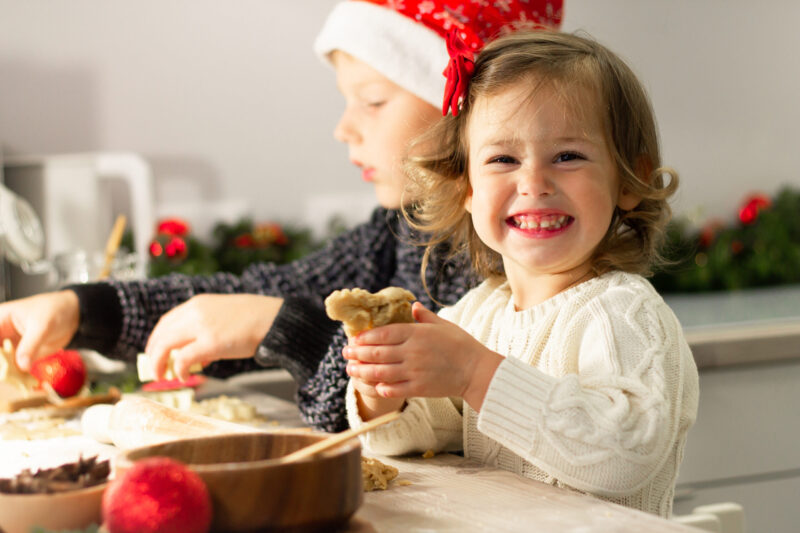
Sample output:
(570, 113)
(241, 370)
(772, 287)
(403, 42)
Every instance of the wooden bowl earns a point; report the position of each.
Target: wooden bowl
(75, 510)
(251, 489)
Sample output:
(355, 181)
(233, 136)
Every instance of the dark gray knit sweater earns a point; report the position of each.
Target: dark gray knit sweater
(117, 317)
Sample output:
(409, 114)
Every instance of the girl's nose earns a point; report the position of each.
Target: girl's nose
(345, 130)
(535, 181)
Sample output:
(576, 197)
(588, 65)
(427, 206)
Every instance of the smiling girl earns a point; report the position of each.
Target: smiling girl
(564, 365)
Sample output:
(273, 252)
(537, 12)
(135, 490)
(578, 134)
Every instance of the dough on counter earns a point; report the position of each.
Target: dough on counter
(14, 383)
(375, 474)
(361, 310)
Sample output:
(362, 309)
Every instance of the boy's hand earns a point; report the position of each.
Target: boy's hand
(432, 358)
(39, 325)
(208, 327)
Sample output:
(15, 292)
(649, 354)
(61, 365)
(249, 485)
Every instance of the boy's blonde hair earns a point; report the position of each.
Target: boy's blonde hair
(440, 182)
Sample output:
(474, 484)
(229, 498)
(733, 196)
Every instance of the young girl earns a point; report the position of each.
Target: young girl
(564, 365)
(388, 58)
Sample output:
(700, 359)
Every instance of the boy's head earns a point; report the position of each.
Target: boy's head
(606, 88)
(404, 43)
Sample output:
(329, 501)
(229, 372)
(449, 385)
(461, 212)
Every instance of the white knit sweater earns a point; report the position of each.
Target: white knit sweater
(597, 392)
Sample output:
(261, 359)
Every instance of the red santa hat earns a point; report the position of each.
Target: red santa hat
(405, 39)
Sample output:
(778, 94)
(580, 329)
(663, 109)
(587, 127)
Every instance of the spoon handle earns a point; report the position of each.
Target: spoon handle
(338, 438)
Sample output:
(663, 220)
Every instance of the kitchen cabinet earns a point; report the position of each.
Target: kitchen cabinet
(744, 446)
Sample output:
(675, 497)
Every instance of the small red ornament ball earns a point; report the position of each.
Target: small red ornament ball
(157, 495)
(63, 370)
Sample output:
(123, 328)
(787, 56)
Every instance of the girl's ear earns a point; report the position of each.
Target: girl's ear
(644, 168)
(468, 199)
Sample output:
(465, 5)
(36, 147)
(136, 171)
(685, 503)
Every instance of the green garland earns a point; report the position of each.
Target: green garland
(762, 248)
(234, 246)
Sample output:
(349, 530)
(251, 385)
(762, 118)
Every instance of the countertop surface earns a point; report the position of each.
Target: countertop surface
(450, 493)
(739, 327)
(444, 493)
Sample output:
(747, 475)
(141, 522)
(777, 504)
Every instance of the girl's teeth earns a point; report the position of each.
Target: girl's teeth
(548, 223)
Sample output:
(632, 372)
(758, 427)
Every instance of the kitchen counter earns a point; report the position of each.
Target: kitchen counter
(450, 493)
(734, 327)
(444, 493)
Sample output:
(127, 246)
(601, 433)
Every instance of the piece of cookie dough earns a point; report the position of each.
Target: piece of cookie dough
(375, 474)
(361, 310)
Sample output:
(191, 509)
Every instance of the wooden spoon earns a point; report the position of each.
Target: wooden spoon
(339, 438)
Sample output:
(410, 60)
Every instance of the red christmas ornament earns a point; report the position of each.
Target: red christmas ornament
(709, 232)
(157, 495)
(269, 233)
(753, 204)
(173, 226)
(245, 240)
(63, 370)
(156, 249)
(176, 249)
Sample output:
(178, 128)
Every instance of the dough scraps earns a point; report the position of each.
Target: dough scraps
(375, 474)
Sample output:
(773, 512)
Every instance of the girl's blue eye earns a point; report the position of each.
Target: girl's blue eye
(567, 156)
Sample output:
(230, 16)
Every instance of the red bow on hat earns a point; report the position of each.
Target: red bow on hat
(459, 72)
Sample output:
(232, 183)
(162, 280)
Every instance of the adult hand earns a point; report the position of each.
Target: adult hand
(39, 325)
(432, 358)
(209, 327)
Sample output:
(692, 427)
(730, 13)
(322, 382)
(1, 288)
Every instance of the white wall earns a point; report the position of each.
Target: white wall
(228, 103)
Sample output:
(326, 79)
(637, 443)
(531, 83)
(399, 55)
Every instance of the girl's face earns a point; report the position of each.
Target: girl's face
(544, 187)
(378, 122)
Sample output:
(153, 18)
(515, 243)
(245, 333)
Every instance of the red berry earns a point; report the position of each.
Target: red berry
(63, 370)
(157, 495)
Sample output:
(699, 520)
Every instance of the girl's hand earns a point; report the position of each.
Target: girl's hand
(370, 403)
(432, 358)
(39, 325)
(208, 327)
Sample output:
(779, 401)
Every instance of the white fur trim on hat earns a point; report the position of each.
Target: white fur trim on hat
(407, 52)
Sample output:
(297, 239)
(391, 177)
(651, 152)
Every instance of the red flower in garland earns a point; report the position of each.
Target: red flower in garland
(173, 226)
(459, 72)
(754, 203)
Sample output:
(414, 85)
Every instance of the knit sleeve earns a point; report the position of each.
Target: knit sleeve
(298, 338)
(425, 424)
(356, 258)
(609, 426)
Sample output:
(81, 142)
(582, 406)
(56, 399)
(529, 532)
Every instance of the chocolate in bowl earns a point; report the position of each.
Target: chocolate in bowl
(69, 496)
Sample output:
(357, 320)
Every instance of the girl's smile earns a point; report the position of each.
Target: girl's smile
(541, 224)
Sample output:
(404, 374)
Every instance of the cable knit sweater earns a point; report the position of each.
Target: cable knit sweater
(597, 392)
(117, 317)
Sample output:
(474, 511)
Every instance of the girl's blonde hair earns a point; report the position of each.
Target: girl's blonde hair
(439, 180)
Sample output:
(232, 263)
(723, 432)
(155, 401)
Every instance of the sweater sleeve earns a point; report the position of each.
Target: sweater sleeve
(122, 324)
(298, 338)
(609, 427)
(425, 424)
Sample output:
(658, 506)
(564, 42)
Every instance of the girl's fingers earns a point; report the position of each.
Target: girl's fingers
(392, 390)
(385, 335)
(372, 354)
(375, 373)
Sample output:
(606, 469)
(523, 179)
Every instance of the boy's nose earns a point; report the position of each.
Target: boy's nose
(345, 130)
